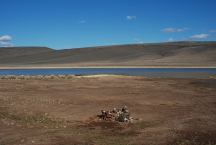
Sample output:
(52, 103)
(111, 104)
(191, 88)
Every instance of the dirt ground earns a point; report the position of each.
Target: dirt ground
(57, 110)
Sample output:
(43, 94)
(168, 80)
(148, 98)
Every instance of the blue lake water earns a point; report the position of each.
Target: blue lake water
(148, 72)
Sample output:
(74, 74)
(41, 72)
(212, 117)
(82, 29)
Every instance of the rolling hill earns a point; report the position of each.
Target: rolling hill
(173, 54)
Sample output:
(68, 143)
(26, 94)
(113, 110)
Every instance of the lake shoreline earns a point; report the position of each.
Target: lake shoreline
(69, 76)
(146, 72)
(72, 76)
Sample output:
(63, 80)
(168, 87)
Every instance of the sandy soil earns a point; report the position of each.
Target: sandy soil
(58, 110)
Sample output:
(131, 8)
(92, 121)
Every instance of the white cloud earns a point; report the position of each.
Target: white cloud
(131, 17)
(5, 41)
(173, 30)
(5, 44)
(5, 38)
(200, 36)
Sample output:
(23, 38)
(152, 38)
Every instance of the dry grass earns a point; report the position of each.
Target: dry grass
(58, 111)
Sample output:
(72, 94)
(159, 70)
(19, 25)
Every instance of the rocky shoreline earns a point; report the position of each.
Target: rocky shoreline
(38, 77)
(54, 77)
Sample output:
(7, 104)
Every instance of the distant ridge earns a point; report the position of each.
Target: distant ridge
(173, 54)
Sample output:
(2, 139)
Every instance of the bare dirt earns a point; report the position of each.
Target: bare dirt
(60, 110)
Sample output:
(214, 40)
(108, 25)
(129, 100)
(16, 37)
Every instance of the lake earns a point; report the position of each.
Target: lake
(148, 72)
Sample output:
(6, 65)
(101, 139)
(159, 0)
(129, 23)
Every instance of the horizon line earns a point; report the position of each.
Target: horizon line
(123, 44)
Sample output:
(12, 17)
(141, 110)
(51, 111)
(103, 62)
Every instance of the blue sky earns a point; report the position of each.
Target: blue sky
(80, 23)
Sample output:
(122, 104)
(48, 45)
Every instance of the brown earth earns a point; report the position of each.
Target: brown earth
(175, 54)
(58, 110)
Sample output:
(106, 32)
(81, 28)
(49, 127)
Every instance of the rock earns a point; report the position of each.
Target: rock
(119, 115)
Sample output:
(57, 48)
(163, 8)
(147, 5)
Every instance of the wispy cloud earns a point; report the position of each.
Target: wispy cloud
(200, 36)
(5, 41)
(173, 30)
(131, 17)
(213, 31)
(138, 40)
(170, 40)
(5, 44)
(82, 21)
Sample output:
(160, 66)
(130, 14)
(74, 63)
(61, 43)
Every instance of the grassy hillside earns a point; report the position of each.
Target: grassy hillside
(180, 54)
